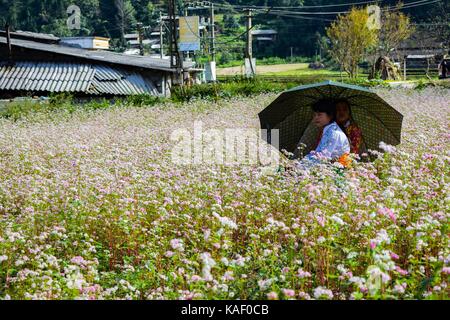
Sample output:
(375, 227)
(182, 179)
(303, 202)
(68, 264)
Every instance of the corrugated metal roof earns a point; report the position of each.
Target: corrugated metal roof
(34, 36)
(102, 56)
(46, 76)
(73, 77)
(116, 81)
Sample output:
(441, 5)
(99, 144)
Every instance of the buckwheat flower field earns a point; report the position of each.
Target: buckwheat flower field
(93, 207)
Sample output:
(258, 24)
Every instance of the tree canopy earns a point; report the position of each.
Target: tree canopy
(113, 18)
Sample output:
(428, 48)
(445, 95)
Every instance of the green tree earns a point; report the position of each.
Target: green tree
(351, 38)
(125, 17)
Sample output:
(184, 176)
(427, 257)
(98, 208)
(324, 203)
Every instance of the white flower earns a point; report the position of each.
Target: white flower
(352, 255)
(338, 220)
(3, 258)
(399, 288)
(387, 147)
(358, 281)
(208, 263)
(177, 244)
(225, 221)
(265, 284)
(321, 292)
(321, 239)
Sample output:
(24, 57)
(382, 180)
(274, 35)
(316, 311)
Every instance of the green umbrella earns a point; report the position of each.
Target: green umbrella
(291, 114)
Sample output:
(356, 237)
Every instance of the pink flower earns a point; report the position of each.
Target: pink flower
(196, 278)
(228, 276)
(303, 274)
(177, 244)
(401, 271)
(79, 261)
(304, 295)
(394, 256)
(169, 254)
(218, 199)
(388, 212)
(446, 270)
(321, 220)
(373, 244)
(272, 296)
(288, 292)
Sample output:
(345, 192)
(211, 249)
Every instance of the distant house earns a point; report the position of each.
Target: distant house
(132, 40)
(264, 41)
(38, 65)
(264, 35)
(422, 51)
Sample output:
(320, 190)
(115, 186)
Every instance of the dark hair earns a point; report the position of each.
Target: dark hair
(325, 105)
(343, 100)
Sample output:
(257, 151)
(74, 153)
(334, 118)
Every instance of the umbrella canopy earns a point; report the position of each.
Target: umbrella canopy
(292, 115)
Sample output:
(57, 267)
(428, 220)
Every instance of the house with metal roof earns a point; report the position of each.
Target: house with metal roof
(29, 67)
(422, 52)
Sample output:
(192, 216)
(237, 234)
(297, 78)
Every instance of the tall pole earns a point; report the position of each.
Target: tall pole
(140, 31)
(249, 47)
(8, 41)
(175, 57)
(161, 38)
(249, 52)
(172, 31)
(404, 67)
(213, 37)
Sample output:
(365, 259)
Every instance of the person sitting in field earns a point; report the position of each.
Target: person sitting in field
(346, 123)
(333, 144)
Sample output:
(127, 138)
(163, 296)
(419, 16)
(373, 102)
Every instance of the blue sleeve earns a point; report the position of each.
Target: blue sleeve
(328, 144)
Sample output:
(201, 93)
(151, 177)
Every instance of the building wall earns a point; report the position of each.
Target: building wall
(87, 43)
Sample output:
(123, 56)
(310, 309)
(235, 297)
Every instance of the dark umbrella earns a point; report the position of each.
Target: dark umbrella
(291, 113)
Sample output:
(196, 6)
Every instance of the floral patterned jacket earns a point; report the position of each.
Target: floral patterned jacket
(354, 135)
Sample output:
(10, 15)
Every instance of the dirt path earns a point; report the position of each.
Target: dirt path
(262, 69)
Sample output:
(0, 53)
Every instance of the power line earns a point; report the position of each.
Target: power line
(236, 37)
(301, 17)
(388, 9)
(302, 7)
(391, 8)
(411, 5)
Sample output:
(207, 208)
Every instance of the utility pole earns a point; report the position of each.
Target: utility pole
(8, 41)
(211, 42)
(249, 47)
(161, 38)
(249, 51)
(175, 57)
(140, 31)
(213, 37)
